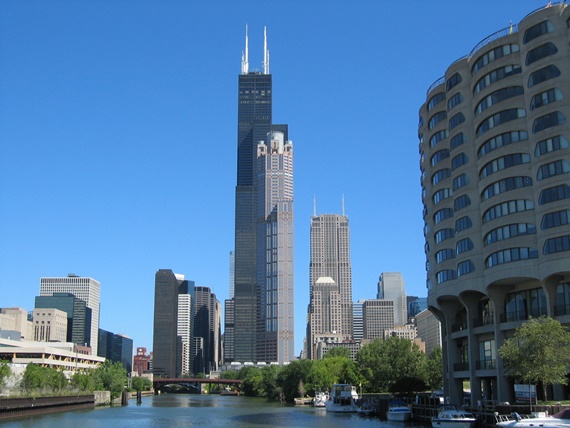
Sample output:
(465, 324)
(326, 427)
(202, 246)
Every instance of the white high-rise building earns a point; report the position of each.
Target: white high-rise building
(391, 287)
(184, 330)
(86, 289)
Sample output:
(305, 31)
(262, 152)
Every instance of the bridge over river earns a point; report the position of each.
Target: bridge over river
(162, 381)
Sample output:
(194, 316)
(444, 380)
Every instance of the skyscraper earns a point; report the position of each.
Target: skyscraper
(495, 156)
(86, 289)
(254, 125)
(330, 258)
(206, 331)
(391, 287)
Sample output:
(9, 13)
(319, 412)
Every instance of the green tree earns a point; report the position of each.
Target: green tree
(383, 362)
(434, 369)
(338, 352)
(293, 379)
(251, 381)
(43, 379)
(271, 389)
(538, 352)
(5, 372)
(141, 383)
(111, 376)
(84, 381)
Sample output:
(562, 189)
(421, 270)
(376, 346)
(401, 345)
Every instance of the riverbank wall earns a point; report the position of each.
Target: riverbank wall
(17, 407)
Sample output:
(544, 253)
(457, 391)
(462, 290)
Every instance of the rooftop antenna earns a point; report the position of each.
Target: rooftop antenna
(343, 205)
(314, 206)
(265, 52)
(245, 56)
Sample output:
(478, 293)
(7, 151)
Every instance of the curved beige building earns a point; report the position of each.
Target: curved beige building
(495, 157)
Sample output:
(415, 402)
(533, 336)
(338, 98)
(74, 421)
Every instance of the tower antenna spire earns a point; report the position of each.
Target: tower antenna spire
(314, 205)
(265, 52)
(245, 55)
(343, 204)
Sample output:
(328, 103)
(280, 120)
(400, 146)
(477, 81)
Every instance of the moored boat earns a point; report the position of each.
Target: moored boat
(320, 399)
(398, 411)
(450, 416)
(342, 399)
(558, 420)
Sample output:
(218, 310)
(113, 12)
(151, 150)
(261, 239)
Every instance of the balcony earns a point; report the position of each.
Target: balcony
(485, 364)
(561, 310)
(485, 320)
(458, 327)
(461, 367)
(522, 315)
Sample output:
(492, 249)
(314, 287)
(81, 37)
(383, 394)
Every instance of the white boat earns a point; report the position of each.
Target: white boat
(366, 410)
(449, 416)
(320, 399)
(398, 411)
(559, 420)
(342, 399)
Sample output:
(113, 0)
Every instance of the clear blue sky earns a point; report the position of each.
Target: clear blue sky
(118, 129)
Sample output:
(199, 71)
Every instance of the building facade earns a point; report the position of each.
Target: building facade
(391, 286)
(494, 159)
(117, 348)
(377, 316)
(86, 289)
(141, 361)
(184, 327)
(206, 354)
(50, 325)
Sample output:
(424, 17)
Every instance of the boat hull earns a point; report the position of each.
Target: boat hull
(399, 416)
(467, 423)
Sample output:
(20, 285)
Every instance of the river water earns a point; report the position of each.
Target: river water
(181, 410)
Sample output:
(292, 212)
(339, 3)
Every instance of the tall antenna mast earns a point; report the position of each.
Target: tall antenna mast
(343, 205)
(245, 56)
(314, 206)
(265, 52)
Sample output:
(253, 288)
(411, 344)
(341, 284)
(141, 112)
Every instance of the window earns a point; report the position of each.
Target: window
(440, 175)
(522, 304)
(545, 98)
(555, 219)
(537, 30)
(463, 246)
(453, 81)
(439, 156)
(463, 223)
(436, 118)
(540, 52)
(499, 118)
(445, 254)
(548, 121)
(456, 120)
(493, 55)
(443, 234)
(496, 75)
(445, 275)
(442, 214)
(460, 181)
(554, 194)
(550, 145)
(461, 202)
(506, 208)
(459, 160)
(562, 299)
(498, 96)
(456, 141)
(436, 99)
(465, 267)
(504, 162)
(437, 137)
(509, 231)
(510, 255)
(505, 185)
(454, 100)
(552, 169)
(502, 140)
(542, 75)
(440, 195)
(556, 245)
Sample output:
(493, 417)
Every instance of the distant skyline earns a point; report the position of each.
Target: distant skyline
(118, 130)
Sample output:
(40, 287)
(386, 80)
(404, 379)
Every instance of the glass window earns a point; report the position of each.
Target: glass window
(510, 255)
(456, 141)
(445, 254)
(556, 245)
(504, 162)
(505, 185)
(548, 121)
(542, 75)
(502, 140)
(537, 30)
(445, 275)
(443, 234)
(552, 169)
(522, 304)
(493, 55)
(454, 100)
(440, 175)
(463, 246)
(506, 208)
(461, 202)
(460, 181)
(555, 219)
(562, 299)
(550, 145)
(465, 267)
(442, 214)
(436, 99)
(540, 52)
(509, 231)
(459, 160)
(463, 223)
(436, 118)
(453, 81)
(545, 98)
(437, 137)
(456, 120)
(499, 118)
(439, 156)
(554, 194)
(440, 195)
(498, 96)
(496, 75)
